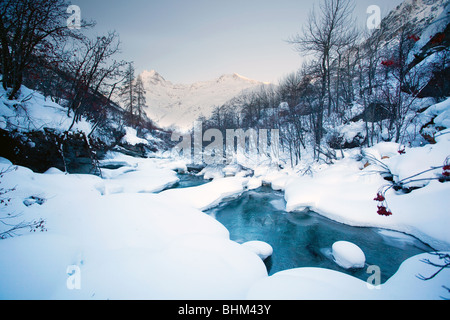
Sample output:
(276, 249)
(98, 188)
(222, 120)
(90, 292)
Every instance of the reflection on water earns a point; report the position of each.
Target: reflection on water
(304, 239)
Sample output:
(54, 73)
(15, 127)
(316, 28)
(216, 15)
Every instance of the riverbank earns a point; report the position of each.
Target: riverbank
(118, 239)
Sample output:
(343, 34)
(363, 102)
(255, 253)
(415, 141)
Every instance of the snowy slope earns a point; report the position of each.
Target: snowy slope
(32, 111)
(181, 104)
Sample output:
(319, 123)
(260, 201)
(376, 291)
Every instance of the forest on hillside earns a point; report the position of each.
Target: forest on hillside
(358, 87)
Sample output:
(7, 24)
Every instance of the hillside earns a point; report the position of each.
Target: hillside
(417, 14)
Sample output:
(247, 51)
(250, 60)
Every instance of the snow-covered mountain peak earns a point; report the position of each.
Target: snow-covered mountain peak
(236, 77)
(152, 77)
(180, 105)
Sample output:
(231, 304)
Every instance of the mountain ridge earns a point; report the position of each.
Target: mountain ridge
(179, 105)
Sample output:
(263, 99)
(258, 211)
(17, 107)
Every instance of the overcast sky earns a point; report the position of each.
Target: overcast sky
(195, 40)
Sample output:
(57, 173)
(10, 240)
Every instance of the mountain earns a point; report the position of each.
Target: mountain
(180, 105)
(416, 14)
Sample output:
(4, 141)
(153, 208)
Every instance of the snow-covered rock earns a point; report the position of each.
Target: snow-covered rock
(260, 248)
(53, 171)
(4, 161)
(212, 172)
(348, 255)
(254, 183)
(131, 137)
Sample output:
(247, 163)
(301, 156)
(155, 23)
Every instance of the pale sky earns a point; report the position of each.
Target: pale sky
(197, 40)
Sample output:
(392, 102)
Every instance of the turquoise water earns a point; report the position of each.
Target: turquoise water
(304, 239)
(189, 180)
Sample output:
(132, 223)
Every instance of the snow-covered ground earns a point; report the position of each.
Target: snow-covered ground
(123, 237)
(135, 244)
(127, 244)
(345, 191)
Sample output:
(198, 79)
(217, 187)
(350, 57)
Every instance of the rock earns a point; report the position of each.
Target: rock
(41, 150)
(260, 248)
(348, 255)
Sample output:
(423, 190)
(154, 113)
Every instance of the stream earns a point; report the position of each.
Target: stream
(304, 239)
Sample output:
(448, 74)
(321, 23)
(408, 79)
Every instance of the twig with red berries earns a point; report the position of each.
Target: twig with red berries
(383, 208)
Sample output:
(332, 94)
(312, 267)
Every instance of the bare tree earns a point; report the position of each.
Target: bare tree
(404, 84)
(326, 30)
(127, 92)
(26, 28)
(90, 67)
(141, 102)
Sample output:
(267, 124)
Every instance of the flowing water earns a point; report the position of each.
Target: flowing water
(189, 180)
(304, 239)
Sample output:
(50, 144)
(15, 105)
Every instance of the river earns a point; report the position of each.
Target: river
(304, 239)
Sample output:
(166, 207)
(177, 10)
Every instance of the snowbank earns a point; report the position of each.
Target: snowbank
(260, 248)
(136, 175)
(206, 196)
(323, 284)
(131, 245)
(309, 284)
(440, 112)
(345, 191)
(121, 246)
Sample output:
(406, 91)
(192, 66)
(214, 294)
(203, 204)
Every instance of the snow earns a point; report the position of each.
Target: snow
(130, 243)
(324, 284)
(127, 245)
(441, 113)
(182, 104)
(53, 171)
(136, 175)
(212, 172)
(254, 183)
(32, 111)
(131, 137)
(309, 284)
(437, 25)
(208, 195)
(348, 255)
(132, 239)
(344, 192)
(260, 248)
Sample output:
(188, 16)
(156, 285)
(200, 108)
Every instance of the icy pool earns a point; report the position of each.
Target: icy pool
(189, 180)
(304, 239)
